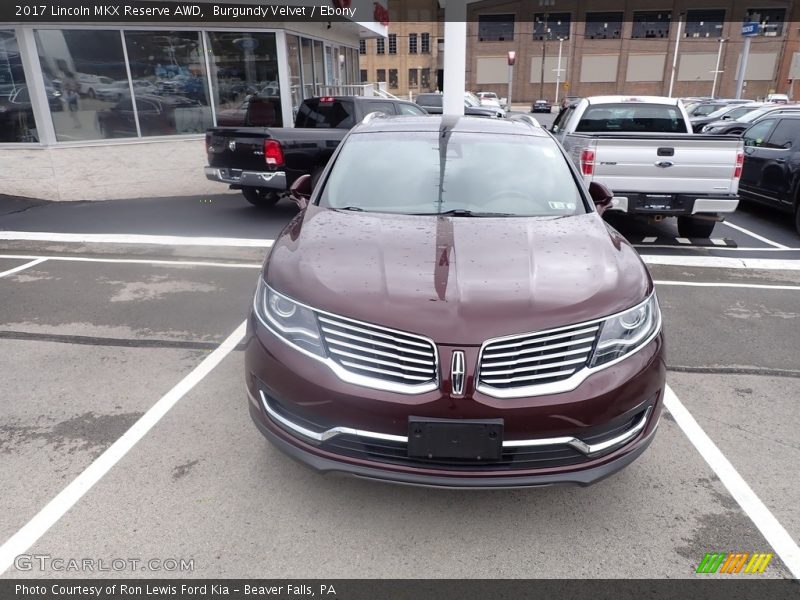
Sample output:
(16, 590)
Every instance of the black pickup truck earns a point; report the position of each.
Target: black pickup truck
(263, 161)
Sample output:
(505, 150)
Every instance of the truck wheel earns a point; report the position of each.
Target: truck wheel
(259, 197)
(691, 227)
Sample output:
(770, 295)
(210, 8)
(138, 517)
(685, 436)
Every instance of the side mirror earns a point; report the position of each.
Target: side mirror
(300, 191)
(601, 196)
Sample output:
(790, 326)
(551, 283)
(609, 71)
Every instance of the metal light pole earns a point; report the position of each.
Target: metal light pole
(716, 69)
(675, 55)
(544, 50)
(748, 30)
(558, 69)
(512, 55)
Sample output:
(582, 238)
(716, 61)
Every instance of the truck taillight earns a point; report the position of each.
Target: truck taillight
(587, 161)
(737, 172)
(273, 153)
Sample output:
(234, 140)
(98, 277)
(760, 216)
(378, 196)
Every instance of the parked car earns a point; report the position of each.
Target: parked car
(701, 109)
(158, 115)
(115, 91)
(726, 113)
(385, 342)
(432, 103)
(491, 99)
(642, 148)
(88, 83)
(771, 171)
(263, 161)
(738, 125)
(778, 98)
(541, 106)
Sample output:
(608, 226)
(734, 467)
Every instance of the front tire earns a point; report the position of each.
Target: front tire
(259, 197)
(692, 227)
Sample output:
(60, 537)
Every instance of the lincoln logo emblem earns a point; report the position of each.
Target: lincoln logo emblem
(457, 373)
(232, 145)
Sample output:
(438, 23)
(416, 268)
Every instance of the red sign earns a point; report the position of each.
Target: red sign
(381, 14)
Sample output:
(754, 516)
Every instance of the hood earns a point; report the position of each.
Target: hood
(457, 280)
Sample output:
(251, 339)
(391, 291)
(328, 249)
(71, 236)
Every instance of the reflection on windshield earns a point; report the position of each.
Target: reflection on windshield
(460, 174)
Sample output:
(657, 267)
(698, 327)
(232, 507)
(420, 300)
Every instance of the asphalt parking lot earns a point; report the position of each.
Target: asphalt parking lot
(126, 433)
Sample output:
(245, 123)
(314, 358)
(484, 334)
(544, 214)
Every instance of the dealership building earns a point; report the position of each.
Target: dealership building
(95, 111)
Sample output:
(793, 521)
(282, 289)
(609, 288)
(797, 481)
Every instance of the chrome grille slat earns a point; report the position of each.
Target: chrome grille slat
(588, 341)
(536, 359)
(380, 356)
(332, 332)
(405, 359)
(535, 338)
(490, 363)
(347, 363)
(379, 361)
(574, 361)
(380, 332)
(557, 374)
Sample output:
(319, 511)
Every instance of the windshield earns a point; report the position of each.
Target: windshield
(632, 117)
(752, 116)
(478, 174)
(722, 111)
(740, 112)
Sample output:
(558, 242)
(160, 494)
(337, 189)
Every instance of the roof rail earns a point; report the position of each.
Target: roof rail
(373, 115)
(532, 121)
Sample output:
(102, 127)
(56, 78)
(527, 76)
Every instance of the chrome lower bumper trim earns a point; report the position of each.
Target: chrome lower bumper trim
(274, 180)
(715, 205)
(579, 445)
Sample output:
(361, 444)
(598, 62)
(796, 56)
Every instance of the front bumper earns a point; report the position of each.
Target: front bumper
(273, 180)
(574, 437)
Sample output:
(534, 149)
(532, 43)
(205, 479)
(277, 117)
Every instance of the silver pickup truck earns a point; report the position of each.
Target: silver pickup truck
(643, 149)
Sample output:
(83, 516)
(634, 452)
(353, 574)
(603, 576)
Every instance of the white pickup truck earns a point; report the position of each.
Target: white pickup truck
(644, 150)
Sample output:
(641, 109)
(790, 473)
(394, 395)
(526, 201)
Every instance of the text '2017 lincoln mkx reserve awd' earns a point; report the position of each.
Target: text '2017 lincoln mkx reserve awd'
(450, 309)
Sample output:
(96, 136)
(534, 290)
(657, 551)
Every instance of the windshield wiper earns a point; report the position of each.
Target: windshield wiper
(463, 212)
(355, 208)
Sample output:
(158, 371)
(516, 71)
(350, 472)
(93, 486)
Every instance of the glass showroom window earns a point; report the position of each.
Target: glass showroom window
(170, 86)
(16, 115)
(293, 55)
(88, 67)
(243, 64)
(307, 61)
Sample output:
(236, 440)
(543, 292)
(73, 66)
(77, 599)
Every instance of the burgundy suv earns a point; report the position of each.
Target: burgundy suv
(450, 309)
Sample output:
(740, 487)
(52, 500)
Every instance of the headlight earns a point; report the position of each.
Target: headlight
(626, 332)
(293, 322)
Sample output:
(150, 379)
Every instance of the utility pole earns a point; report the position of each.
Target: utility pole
(675, 55)
(544, 50)
(716, 69)
(558, 69)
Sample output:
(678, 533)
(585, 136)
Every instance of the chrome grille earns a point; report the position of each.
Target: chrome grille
(377, 352)
(536, 358)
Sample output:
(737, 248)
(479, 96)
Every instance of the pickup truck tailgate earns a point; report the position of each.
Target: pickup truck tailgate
(237, 148)
(672, 164)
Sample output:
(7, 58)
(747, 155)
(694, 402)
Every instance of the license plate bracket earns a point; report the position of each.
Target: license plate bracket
(480, 440)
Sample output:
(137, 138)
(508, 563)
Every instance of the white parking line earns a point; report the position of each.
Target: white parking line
(777, 537)
(21, 541)
(760, 238)
(124, 238)
(722, 262)
(33, 263)
(137, 261)
(718, 248)
(754, 286)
